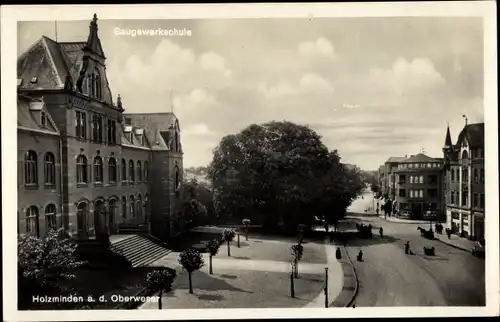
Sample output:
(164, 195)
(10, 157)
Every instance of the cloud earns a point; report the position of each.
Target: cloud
(320, 47)
(307, 84)
(213, 62)
(407, 77)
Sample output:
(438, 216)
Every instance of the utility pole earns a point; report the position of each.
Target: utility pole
(326, 287)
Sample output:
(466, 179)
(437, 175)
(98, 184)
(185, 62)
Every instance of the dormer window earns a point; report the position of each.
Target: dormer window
(34, 80)
(43, 119)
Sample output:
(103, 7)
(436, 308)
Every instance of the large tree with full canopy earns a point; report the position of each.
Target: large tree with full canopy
(280, 172)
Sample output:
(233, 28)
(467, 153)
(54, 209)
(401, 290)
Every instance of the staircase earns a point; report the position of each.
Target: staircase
(140, 250)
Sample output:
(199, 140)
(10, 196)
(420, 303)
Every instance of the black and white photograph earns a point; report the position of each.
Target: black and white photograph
(305, 159)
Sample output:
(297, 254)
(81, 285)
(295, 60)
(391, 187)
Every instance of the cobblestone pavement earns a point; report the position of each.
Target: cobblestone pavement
(388, 277)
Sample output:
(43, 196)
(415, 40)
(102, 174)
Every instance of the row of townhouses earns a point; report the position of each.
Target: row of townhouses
(83, 163)
(452, 187)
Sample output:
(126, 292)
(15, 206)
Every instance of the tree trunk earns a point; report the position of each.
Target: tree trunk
(246, 232)
(296, 269)
(190, 284)
(228, 249)
(211, 272)
(159, 299)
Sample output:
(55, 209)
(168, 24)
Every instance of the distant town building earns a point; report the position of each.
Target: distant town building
(83, 164)
(464, 181)
(419, 187)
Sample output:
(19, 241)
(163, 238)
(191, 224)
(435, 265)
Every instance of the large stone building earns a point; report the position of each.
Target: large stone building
(83, 163)
(464, 177)
(419, 187)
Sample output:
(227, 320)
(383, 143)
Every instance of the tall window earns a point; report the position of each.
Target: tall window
(124, 170)
(481, 175)
(464, 198)
(452, 175)
(476, 176)
(139, 206)
(452, 196)
(131, 171)
(465, 175)
(139, 171)
(124, 207)
(49, 169)
(96, 84)
(177, 143)
(81, 169)
(43, 119)
(30, 168)
(81, 125)
(50, 217)
(177, 179)
(112, 170)
(97, 128)
(421, 193)
(421, 179)
(475, 200)
(81, 219)
(411, 193)
(146, 171)
(131, 206)
(32, 222)
(98, 169)
(481, 200)
(411, 179)
(111, 132)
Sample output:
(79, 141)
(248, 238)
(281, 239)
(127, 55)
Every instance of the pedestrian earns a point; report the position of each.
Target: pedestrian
(407, 247)
(381, 230)
(360, 256)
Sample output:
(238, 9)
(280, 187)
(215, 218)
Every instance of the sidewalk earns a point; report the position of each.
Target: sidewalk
(456, 241)
(406, 221)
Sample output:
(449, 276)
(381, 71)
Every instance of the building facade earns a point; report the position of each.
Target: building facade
(84, 164)
(390, 166)
(419, 187)
(464, 182)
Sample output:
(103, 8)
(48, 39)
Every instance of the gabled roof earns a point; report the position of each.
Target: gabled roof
(395, 159)
(419, 158)
(29, 115)
(474, 133)
(156, 127)
(57, 65)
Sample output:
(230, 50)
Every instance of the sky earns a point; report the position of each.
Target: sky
(373, 88)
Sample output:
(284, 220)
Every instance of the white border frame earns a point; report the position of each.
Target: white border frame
(10, 15)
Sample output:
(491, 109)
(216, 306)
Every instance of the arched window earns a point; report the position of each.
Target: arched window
(139, 171)
(32, 222)
(96, 84)
(176, 143)
(452, 175)
(177, 180)
(81, 169)
(146, 171)
(124, 207)
(81, 220)
(112, 170)
(50, 217)
(30, 168)
(132, 205)
(465, 155)
(146, 205)
(411, 179)
(131, 177)
(98, 169)
(49, 169)
(465, 175)
(124, 170)
(139, 206)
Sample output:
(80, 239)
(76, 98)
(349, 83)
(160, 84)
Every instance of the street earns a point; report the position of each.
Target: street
(389, 277)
